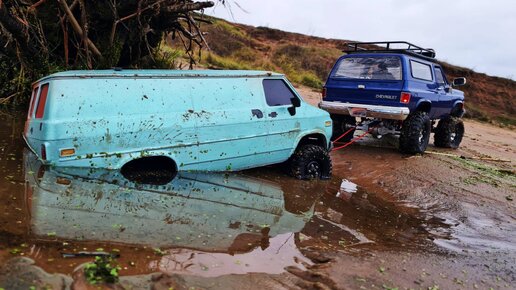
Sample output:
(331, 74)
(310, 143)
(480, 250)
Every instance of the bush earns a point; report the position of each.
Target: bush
(225, 63)
(311, 80)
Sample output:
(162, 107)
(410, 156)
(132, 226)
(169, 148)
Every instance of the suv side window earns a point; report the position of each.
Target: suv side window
(277, 93)
(439, 76)
(421, 71)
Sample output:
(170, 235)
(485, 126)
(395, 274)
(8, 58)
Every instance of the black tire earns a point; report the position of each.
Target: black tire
(415, 133)
(449, 133)
(311, 162)
(341, 124)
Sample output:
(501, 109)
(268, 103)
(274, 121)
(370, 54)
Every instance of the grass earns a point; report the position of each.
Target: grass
(225, 62)
(487, 170)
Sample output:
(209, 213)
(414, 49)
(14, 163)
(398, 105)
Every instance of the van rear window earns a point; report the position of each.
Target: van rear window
(277, 93)
(40, 111)
(33, 100)
(369, 68)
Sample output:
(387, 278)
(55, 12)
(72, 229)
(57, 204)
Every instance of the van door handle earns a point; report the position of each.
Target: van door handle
(257, 113)
(273, 115)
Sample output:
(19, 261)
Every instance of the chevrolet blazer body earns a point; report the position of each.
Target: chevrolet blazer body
(196, 120)
(395, 88)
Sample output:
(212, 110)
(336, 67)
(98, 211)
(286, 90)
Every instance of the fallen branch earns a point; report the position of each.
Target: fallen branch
(187, 7)
(77, 28)
(8, 99)
(35, 5)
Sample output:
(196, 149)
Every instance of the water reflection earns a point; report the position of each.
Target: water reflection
(201, 211)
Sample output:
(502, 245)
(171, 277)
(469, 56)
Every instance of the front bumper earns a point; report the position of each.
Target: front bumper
(369, 111)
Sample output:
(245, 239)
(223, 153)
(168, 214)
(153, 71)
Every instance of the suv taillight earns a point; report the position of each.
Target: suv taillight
(405, 98)
(324, 93)
(40, 111)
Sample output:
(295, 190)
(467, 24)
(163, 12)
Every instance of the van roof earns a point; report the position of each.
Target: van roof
(122, 73)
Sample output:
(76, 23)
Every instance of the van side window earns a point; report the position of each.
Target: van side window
(421, 71)
(277, 93)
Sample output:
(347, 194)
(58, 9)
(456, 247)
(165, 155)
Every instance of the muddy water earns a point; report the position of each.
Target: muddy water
(258, 221)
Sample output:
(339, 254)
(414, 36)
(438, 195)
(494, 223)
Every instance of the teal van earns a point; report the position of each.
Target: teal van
(180, 120)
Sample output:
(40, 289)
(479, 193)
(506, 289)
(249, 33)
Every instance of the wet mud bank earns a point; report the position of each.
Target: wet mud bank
(383, 220)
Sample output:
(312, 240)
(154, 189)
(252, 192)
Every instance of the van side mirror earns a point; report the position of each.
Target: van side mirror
(295, 102)
(459, 82)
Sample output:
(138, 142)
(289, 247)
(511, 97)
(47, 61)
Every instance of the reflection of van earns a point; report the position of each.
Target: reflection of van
(192, 120)
(204, 211)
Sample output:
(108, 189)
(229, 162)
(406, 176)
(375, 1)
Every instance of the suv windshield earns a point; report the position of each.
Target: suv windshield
(370, 68)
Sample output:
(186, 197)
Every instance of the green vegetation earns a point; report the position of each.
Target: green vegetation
(488, 171)
(103, 270)
(236, 48)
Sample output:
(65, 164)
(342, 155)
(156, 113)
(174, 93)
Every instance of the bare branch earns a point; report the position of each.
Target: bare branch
(77, 28)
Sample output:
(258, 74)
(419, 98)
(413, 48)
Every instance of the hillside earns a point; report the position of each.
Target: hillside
(307, 60)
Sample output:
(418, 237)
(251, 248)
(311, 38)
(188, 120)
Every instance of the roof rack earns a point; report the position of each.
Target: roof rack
(391, 46)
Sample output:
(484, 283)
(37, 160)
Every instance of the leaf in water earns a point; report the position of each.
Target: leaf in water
(15, 251)
(159, 252)
(51, 234)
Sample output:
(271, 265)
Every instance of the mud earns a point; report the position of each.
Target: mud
(383, 221)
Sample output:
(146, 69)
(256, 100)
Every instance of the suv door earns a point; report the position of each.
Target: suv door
(445, 102)
(283, 127)
(424, 85)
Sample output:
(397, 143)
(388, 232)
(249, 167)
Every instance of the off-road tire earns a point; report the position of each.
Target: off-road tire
(415, 133)
(310, 162)
(449, 133)
(339, 127)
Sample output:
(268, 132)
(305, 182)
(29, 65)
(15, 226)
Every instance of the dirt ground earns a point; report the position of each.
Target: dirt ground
(443, 220)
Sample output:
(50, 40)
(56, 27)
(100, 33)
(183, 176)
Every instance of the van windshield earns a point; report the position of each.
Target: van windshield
(370, 68)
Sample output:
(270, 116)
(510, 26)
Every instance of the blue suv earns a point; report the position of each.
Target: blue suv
(394, 88)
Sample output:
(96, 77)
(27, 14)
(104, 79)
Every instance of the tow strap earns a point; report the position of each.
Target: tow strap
(350, 142)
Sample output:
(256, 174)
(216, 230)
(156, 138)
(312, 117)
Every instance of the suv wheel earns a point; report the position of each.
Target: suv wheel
(415, 133)
(311, 162)
(342, 124)
(449, 133)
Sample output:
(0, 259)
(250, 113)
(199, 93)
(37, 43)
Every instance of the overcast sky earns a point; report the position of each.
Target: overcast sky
(477, 34)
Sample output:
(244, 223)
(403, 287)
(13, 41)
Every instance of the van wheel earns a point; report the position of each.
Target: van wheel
(415, 133)
(342, 124)
(311, 162)
(449, 133)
